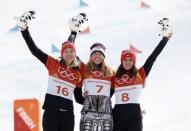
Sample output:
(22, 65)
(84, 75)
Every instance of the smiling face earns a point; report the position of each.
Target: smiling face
(128, 63)
(68, 55)
(97, 57)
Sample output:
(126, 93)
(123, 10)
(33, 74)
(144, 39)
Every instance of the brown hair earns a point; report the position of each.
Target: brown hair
(121, 71)
(106, 70)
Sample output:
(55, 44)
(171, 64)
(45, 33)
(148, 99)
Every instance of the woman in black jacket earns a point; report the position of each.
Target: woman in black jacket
(64, 80)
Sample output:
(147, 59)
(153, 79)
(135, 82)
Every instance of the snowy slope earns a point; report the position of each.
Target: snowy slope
(116, 24)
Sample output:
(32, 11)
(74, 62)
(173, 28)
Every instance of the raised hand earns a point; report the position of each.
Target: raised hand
(166, 30)
(78, 23)
(22, 21)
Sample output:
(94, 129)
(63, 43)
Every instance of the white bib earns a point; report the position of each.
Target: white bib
(128, 94)
(60, 88)
(97, 87)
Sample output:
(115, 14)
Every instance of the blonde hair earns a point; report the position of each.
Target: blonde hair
(74, 64)
(106, 70)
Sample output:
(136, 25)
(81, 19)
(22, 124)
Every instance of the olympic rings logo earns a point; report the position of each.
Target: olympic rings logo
(98, 74)
(125, 79)
(67, 74)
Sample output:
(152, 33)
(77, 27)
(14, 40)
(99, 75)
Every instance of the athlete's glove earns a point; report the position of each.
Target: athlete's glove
(166, 28)
(22, 21)
(78, 23)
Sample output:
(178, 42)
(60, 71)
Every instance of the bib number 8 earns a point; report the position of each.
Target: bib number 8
(124, 97)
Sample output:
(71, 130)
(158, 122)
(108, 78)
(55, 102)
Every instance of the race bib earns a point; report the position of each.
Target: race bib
(60, 88)
(97, 87)
(128, 94)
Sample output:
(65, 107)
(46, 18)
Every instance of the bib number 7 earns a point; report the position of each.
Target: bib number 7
(99, 88)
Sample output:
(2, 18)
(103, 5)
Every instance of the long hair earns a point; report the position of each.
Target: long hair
(106, 70)
(121, 71)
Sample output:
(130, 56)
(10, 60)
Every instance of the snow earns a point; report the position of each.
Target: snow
(166, 97)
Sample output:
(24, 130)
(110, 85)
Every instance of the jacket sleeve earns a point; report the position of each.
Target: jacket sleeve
(33, 48)
(78, 90)
(112, 91)
(78, 95)
(72, 37)
(151, 59)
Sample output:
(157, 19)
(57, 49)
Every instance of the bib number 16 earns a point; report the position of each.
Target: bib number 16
(62, 90)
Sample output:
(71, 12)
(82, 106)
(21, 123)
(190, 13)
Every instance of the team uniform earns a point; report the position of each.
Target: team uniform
(96, 114)
(63, 81)
(127, 111)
